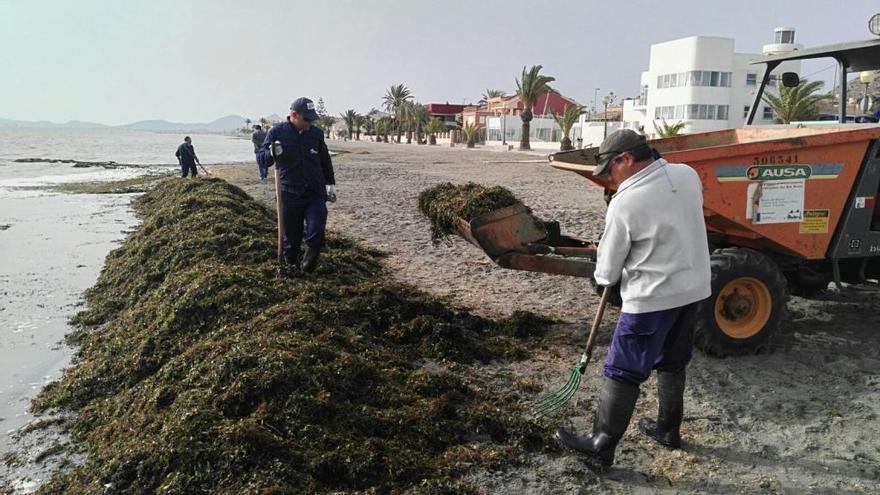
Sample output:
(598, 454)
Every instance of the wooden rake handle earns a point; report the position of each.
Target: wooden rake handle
(597, 320)
(280, 250)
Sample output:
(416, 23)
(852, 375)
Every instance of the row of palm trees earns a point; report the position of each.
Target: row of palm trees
(407, 117)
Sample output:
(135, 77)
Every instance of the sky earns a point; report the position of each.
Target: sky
(116, 62)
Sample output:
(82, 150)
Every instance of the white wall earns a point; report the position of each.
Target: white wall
(703, 53)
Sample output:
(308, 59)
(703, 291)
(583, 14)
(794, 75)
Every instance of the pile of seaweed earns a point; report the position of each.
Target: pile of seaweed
(199, 370)
(445, 202)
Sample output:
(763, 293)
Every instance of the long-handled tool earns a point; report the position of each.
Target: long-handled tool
(559, 398)
(203, 168)
(282, 262)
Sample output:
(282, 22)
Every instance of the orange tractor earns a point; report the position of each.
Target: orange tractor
(787, 209)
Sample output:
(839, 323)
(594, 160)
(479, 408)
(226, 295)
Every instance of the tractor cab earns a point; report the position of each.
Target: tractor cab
(861, 57)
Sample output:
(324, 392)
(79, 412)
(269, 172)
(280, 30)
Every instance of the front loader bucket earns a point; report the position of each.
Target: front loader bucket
(515, 239)
(502, 231)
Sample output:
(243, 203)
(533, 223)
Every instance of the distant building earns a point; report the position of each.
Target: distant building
(501, 117)
(445, 112)
(703, 82)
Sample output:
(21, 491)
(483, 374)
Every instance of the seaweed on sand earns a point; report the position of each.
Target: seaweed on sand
(200, 371)
(444, 203)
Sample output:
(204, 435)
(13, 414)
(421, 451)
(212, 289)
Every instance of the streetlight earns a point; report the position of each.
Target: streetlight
(606, 100)
(866, 77)
(595, 100)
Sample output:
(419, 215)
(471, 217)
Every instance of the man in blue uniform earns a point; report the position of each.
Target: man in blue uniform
(257, 138)
(186, 155)
(307, 181)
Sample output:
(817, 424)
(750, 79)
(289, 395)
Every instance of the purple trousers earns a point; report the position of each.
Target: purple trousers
(661, 340)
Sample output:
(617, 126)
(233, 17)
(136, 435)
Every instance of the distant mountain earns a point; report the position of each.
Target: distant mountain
(73, 124)
(228, 123)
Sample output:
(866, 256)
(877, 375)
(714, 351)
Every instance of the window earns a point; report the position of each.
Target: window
(751, 79)
(694, 78)
(746, 112)
(772, 80)
(768, 113)
(722, 112)
(704, 112)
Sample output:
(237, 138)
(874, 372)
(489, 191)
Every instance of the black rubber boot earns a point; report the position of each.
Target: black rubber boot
(616, 404)
(670, 396)
(310, 259)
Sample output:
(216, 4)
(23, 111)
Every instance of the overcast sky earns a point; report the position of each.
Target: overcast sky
(193, 61)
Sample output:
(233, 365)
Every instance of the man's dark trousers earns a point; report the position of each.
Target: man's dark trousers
(661, 340)
(188, 167)
(303, 217)
(264, 171)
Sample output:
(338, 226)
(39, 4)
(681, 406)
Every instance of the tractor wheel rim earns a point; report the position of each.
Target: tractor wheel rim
(743, 307)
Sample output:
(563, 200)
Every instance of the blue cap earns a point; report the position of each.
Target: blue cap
(305, 107)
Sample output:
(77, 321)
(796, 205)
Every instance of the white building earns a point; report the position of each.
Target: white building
(704, 83)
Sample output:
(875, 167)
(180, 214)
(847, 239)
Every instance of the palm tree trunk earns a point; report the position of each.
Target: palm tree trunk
(526, 117)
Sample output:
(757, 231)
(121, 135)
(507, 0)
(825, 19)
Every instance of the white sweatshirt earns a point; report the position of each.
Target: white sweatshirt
(655, 240)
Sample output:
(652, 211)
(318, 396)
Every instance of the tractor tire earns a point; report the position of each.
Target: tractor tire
(747, 305)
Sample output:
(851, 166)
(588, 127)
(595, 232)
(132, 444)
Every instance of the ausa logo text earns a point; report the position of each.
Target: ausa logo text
(779, 172)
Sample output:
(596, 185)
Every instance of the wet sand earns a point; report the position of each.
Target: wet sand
(52, 250)
(802, 419)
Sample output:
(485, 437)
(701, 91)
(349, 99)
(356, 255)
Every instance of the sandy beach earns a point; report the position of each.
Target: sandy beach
(754, 424)
(801, 419)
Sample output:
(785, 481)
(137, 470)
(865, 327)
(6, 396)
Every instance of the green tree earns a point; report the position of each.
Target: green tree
(394, 102)
(796, 103)
(420, 116)
(360, 123)
(491, 93)
(666, 130)
(529, 87)
(566, 121)
(470, 131)
(433, 128)
(326, 124)
(350, 117)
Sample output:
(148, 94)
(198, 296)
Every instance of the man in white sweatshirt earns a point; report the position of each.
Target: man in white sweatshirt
(655, 248)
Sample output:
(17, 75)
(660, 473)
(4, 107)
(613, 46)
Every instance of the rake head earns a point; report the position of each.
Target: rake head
(558, 399)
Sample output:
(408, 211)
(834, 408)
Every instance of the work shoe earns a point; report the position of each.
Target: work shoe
(310, 259)
(666, 430)
(616, 404)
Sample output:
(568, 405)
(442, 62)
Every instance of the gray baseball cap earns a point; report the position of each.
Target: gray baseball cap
(616, 143)
(305, 107)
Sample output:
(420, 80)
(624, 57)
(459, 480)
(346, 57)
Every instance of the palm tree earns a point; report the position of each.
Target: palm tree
(529, 88)
(326, 124)
(359, 124)
(470, 130)
(394, 101)
(665, 130)
(420, 117)
(566, 121)
(433, 128)
(369, 124)
(491, 93)
(796, 103)
(350, 117)
(264, 121)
